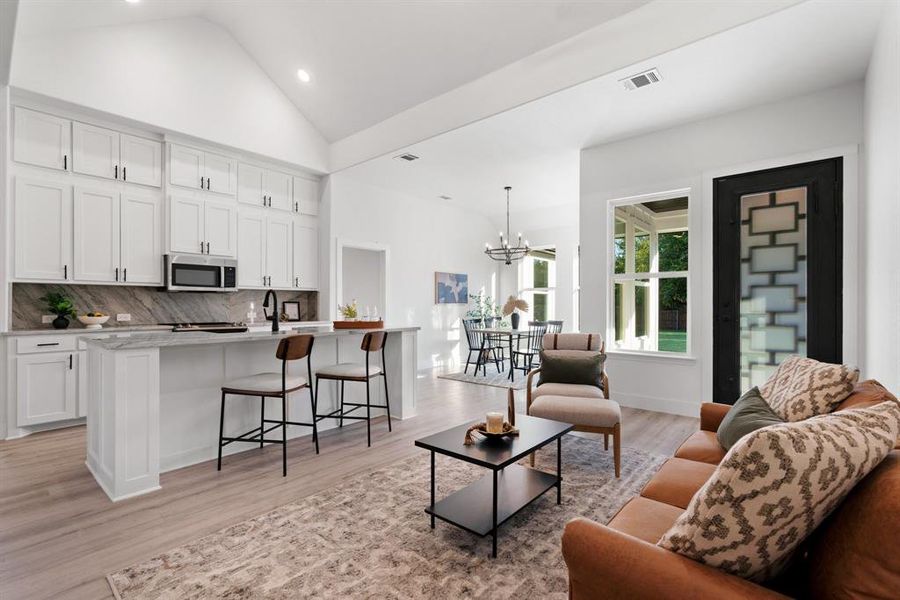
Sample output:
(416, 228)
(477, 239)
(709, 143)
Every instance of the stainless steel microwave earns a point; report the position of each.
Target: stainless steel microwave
(191, 273)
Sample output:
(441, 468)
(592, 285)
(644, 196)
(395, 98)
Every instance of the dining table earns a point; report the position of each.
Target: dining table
(512, 337)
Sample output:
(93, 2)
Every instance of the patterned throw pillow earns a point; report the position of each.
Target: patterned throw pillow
(802, 387)
(776, 485)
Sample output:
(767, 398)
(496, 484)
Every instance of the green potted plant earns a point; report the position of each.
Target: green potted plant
(511, 309)
(59, 304)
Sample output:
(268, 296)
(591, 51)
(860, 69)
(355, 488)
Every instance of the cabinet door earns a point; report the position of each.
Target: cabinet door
(306, 196)
(141, 160)
(251, 187)
(306, 253)
(42, 140)
(96, 221)
(46, 387)
(141, 238)
(43, 230)
(186, 166)
(278, 187)
(220, 226)
(278, 251)
(187, 224)
(221, 173)
(251, 248)
(95, 151)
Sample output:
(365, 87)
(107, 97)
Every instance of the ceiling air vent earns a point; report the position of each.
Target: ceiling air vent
(407, 157)
(445, 197)
(641, 79)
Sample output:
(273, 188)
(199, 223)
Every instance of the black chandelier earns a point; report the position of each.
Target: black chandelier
(505, 252)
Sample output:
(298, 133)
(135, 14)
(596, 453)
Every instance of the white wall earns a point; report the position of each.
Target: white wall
(187, 76)
(422, 236)
(811, 127)
(362, 279)
(881, 215)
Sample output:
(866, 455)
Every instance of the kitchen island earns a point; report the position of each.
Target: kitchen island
(154, 398)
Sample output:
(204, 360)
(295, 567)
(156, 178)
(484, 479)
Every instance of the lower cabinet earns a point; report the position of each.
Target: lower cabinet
(46, 387)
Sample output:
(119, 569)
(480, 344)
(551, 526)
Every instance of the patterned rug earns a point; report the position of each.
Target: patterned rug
(493, 378)
(370, 538)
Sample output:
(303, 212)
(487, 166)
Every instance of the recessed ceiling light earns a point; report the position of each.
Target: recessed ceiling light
(303, 76)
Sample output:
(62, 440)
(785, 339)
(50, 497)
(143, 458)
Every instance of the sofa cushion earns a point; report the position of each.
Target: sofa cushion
(677, 481)
(571, 366)
(590, 412)
(748, 414)
(776, 485)
(572, 341)
(866, 393)
(567, 389)
(645, 519)
(701, 446)
(802, 387)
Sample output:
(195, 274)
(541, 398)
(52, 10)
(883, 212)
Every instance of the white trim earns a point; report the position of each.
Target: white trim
(340, 244)
(656, 404)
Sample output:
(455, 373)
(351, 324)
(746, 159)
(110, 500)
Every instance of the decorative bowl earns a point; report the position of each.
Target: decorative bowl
(481, 429)
(93, 322)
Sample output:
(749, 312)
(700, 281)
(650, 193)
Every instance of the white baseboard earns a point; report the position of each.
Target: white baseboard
(664, 405)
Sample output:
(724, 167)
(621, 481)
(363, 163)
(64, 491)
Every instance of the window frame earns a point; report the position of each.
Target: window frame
(652, 276)
(550, 291)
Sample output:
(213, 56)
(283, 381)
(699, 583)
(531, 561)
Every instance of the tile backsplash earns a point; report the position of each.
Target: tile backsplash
(149, 305)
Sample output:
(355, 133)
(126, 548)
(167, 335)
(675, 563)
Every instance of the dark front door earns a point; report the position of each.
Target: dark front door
(777, 272)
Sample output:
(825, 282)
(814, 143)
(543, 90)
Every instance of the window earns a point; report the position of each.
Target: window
(648, 303)
(539, 283)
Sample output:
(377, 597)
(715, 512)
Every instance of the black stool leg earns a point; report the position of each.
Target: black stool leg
(368, 414)
(221, 431)
(262, 419)
(387, 401)
(312, 403)
(284, 435)
(341, 424)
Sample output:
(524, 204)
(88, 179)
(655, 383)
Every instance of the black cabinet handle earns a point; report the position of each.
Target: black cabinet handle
(65, 162)
(125, 274)
(207, 183)
(70, 362)
(117, 273)
(201, 182)
(49, 344)
(124, 178)
(65, 271)
(264, 199)
(116, 172)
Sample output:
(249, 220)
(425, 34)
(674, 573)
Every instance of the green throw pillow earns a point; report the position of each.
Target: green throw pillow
(571, 366)
(748, 414)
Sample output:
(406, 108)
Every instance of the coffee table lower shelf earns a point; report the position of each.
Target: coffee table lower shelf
(471, 508)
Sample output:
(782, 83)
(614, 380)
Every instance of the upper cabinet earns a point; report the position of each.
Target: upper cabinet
(42, 140)
(306, 196)
(141, 160)
(305, 253)
(202, 226)
(43, 230)
(95, 151)
(264, 187)
(197, 169)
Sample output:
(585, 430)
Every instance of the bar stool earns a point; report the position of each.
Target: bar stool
(343, 372)
(273, 385)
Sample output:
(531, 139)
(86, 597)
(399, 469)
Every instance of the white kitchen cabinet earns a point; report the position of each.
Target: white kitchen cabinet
(42, 139)
(251, 185)
(220, 230)
(186, 167)
(278, 188)
(43, 230)
(251, 248)
(279, 251)
(141, 160)
(306, 253)
(221, 173)
(95, 151)
(186, 214)
(142, 236)
(96, 234)
(306, 196)
(46, 387)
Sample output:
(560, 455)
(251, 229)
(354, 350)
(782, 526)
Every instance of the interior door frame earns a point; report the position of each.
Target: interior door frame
(385, 255)
(825, 180)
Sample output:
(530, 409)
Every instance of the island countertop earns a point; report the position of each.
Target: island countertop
(169, 339)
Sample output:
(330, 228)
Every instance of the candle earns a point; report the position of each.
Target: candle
(495, 422)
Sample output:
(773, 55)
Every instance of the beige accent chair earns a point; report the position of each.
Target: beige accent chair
(585, 406)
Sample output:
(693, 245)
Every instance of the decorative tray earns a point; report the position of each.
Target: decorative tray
(481, 429)
(359, 324)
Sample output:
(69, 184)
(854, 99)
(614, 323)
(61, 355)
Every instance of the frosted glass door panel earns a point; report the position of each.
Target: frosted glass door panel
(773, 282)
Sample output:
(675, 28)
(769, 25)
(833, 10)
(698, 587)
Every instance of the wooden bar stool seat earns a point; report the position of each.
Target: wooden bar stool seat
(273, 385)
(372, 342)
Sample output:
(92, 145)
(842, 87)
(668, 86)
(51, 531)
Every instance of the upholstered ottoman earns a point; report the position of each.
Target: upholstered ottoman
(591, 414)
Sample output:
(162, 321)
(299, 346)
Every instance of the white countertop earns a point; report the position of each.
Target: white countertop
(166, 339)
(115, 329)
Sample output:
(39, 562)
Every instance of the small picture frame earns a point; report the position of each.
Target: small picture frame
(291, 310)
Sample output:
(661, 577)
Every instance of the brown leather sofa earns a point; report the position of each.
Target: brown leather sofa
(852, 555)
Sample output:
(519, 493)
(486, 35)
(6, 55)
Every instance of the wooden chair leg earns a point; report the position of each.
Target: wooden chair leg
(531, 458)
(617, 448)
(606, 441)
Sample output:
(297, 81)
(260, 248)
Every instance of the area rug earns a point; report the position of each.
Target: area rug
(493, 378)
(370, 538)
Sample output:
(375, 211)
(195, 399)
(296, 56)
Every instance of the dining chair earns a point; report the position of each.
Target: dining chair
(481, 345)
(533, 340)
(554, 326)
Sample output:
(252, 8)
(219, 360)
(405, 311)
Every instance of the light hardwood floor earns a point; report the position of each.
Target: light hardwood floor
(60, 535)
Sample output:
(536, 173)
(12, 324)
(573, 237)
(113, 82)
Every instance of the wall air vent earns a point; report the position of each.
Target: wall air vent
(640, 80)
(407, 157)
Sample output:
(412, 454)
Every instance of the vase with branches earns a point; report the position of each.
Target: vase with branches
(59, 304)
(512, 308)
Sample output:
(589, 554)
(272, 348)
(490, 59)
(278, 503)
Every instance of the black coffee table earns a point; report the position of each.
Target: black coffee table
(483, 506)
